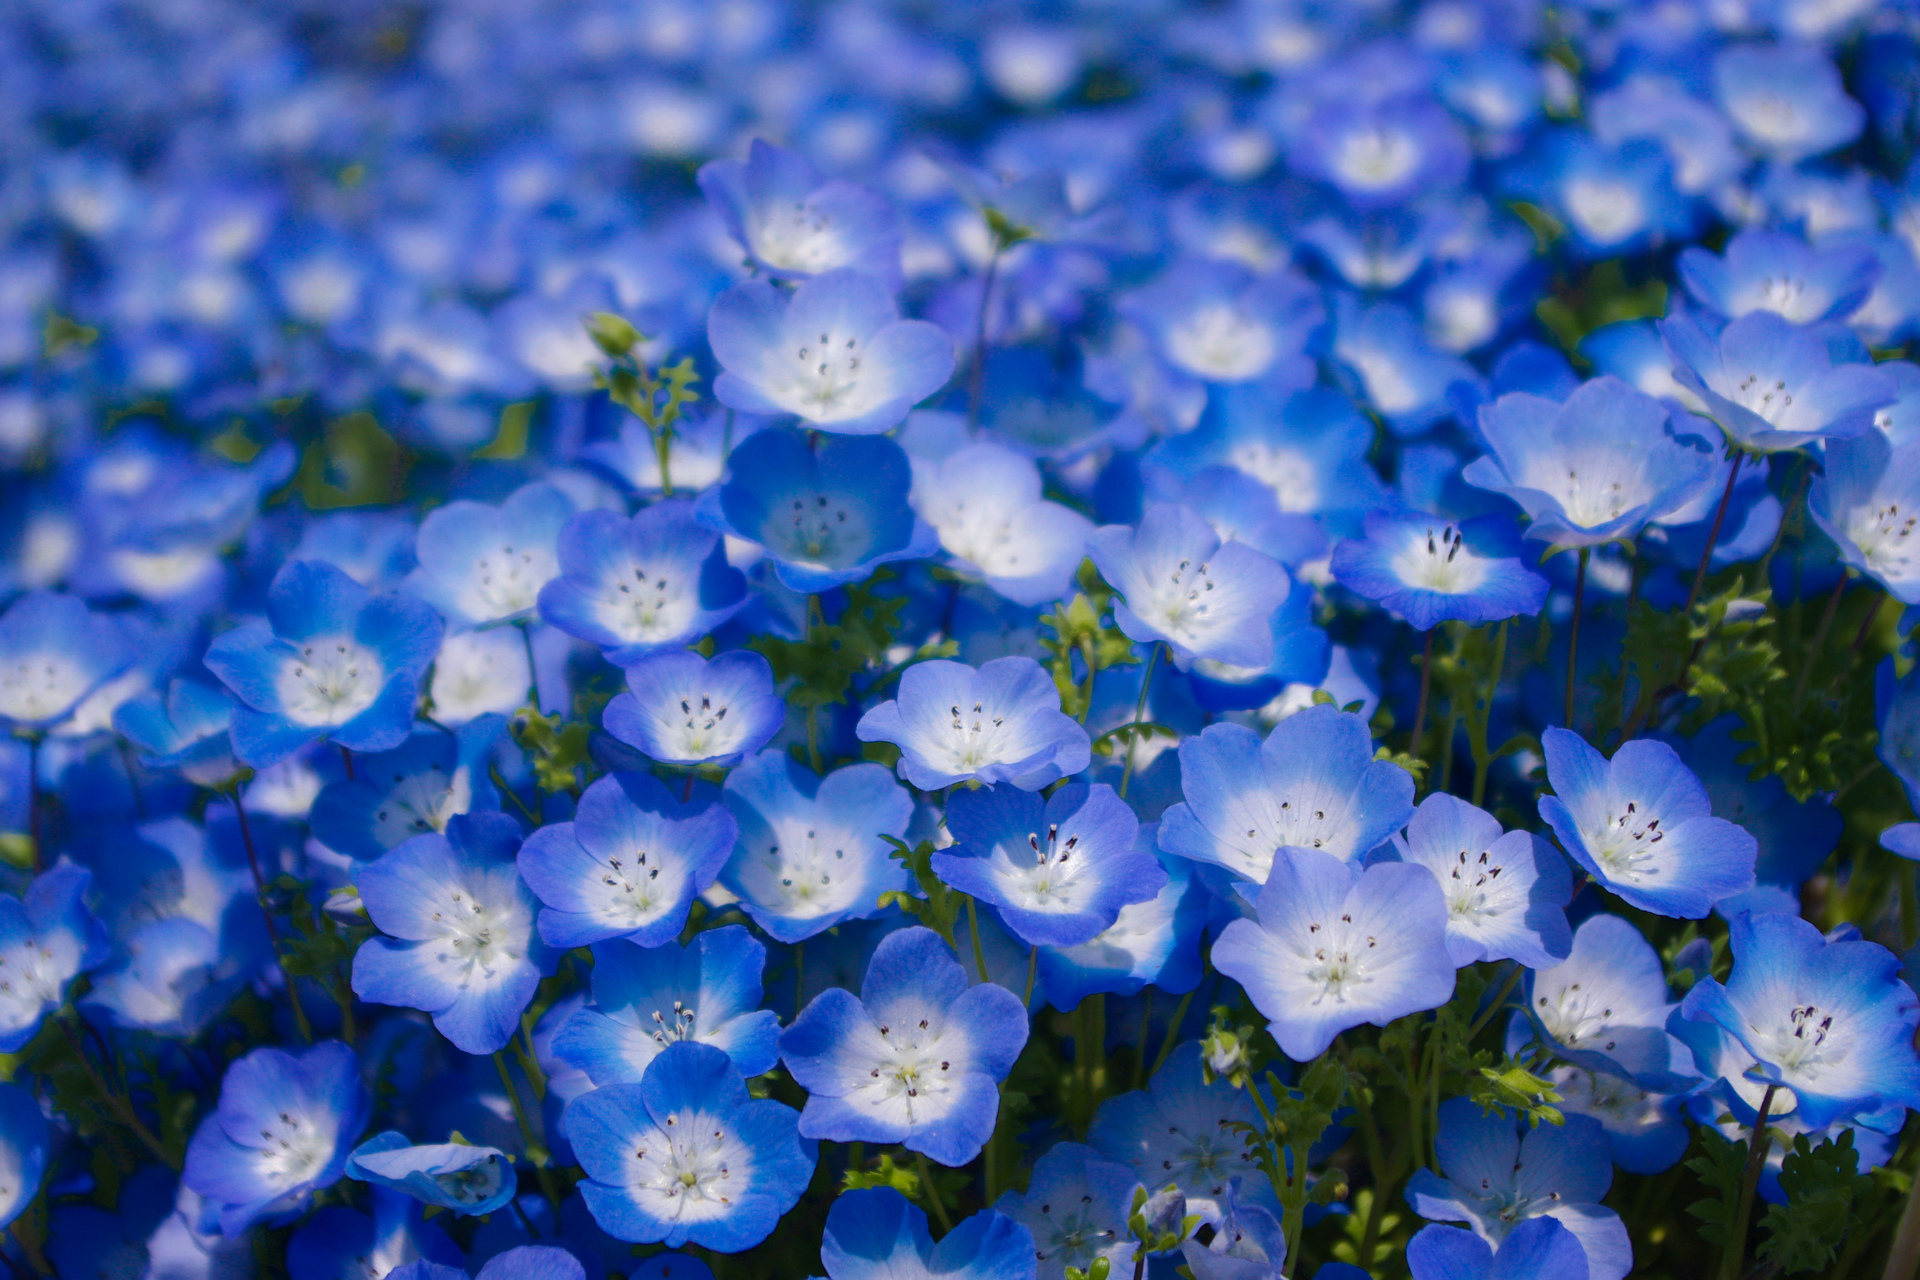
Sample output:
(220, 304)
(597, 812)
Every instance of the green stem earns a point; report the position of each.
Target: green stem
(537, 1153)
(1713, 534)
(799, 976)
(1819, 639)
(933, 1194)
(533, 669)
(973, 936)
(1033, 967)
(1483, 716)
(1499, 1000)
(1573, 635)
(1146, 1029)
(121, 1104)
(1736, 1248)
(266, 914)
(1139, 713)
(1909, 907)
(1173, 1031)
(1426, 689)
(976, 377)
(1376, 1163)
(663, 449)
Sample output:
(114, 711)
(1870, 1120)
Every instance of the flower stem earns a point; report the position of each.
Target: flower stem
(1483, 716)
(1173, 1031)
(537, 1153)
(1426, 689)
(1139, 713)
(977, 375)
(1736, 1246)
(1713, 534)
(1499, 1000)
(979, 952)
(1573, 635)
(266, 914)
(122, 1106)
(1819, 640)
(933, 1194)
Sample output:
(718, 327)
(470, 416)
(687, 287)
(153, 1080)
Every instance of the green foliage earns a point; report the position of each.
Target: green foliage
(556, 747)
(1121, 736)
(883, 1173)
(1083, 627)
(1722, 654)
(1514, 1086)
(1230, 1049)
(823, 663)
(1156, 1233)
(1823, 1186)
(1720, 1168)
(320, 947)
(355, 463)
(510, 441)
(1603, 297)
(939, 907)
(1099, 1269)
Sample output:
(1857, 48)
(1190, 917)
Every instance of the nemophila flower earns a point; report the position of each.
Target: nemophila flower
(878, 1234)
(1594, 469)
(1076, 1206)
(1059, 870)
(1328, 950)
(459, 932)
(1156, 941)
(828, 514)
(629, 865)
(1605, 1007)
(1868, 501)
(282, 1130)
(834, 352)
(1614, 200)
(1771, 271)
(1179, 583)
(1400, 373)
(681, 708)
(916, 1058)
(1785, 100)
(630, 459)
(1773, 385)
(1430, 570)
(415, 788)
(1000, 723)
(1313, 784)
(47, 939)
(1382, 152)
(479, 673)
(646, 998)
(24, 1141)
(1645, 1128)
(481, 563)
(330, 661)
(1248, 1244)
(54, 651)
(638, 586)
(184, 728)
(1642, 825)
(984, 501)
(1830, 1021)
(1536, 1249)
(1494, 1177)
(1897, 717)
(1186, 1133)
(687, 1156)
(1220, 322)
(1506, 892)
(528, 1262)
(812, 852)
(467, 1179)
(793, 223)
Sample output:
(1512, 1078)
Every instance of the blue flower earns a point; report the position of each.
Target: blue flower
(683, 709)
(1329, 950)
(469, 1180)
(24, 1142)
(1594, 469)
(1248, 1244)
(1157, 942)
(879, 1235)
(1506, 892)
(1829, 1021)
(1643, 826)
(1181, 584)
(1076, 1206)
(54, 651)
(795, 224)
(629, 865)
(481, 564)
(1785, 100)
(460, 942)
(1771, 271)
(335, 1242)
(1496, 1177)
(1001, 723)
(185, 728)
(528, 1262)
(1219, 322)
(646, 998)
(834, 352)
(1185, 1132)
(1868, 501)
(1647, 1130)
(917, 1058)
(1605, 1008)
(1399, 372)
(482, 672)
(813, 852)
(1430, 570)
(687, 1156)
(1313, 784)
(282, 1131)
(46, 940)
(1772, 385)
(1614, 200)
(1897, 717)
(330, 661)
(1382, 151)
(1058, 870)
(410, 790)
(635, 587)
(828, 515)
(984, 500)
(1536, 1249)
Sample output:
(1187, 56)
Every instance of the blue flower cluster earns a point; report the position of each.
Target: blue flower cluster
(709, 639)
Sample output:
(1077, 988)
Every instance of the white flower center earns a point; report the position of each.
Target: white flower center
(1606, 211)
(480, 938)
(1767, 397)
(1337, 955)
(809, 875)
(507, 580)
(654, 604)
(825, 375)
(1221, 341)
(1375, 159)
(1469, 884)
(1291, 475)
(822, 530)
(291, 1150)
(330, 681)
(1577, 1019)
(1439, 561)
(794, 237)
(690, 1168)
(420, 803)
(40, 686)
(975, 739)
(1624, 845)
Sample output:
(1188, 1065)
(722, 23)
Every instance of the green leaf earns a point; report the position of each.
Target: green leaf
(510, 441)
(613, 334)
(1822, 1185)
(555, 746)
(355, 464)
(822, 664)
(938, 907)
(1720, 1167)
(883, 1173)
